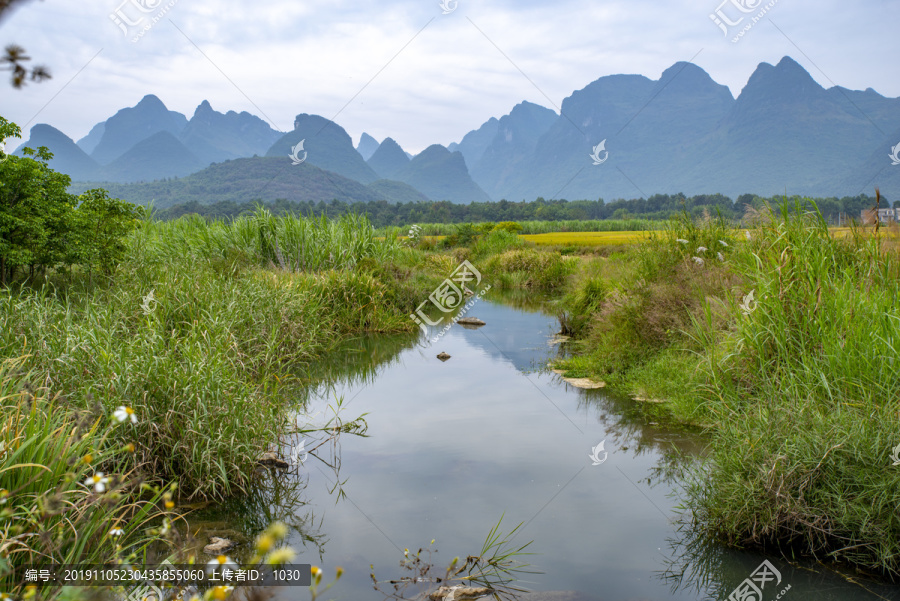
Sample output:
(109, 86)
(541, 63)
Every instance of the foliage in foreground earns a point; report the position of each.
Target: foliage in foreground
(492, 572)
(805, 388)
(67, 493)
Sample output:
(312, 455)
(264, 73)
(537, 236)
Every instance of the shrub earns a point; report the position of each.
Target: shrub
(509, 226)
(496, 242)
(539, 269)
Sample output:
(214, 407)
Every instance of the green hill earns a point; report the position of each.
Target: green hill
(257, 178)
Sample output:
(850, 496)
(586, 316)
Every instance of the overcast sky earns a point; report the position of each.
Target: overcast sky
(403, 68)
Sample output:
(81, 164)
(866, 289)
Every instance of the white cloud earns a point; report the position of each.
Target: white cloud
(283, 57)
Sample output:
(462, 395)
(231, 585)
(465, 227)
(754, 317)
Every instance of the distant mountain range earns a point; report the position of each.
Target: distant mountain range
(680, 133)
(258, 178)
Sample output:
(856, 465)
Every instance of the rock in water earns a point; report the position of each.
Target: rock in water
(443, 356)
(273, 460)
(218, 546)
(470, 321)
(459, 593)
(585, 383)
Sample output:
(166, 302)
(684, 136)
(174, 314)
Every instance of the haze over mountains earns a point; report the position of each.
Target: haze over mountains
(680, 133)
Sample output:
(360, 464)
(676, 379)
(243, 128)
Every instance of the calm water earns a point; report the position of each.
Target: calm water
(454, 446)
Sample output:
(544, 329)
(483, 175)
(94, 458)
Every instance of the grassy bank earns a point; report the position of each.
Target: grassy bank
(127, 394)
(205, 329)
(785, 345)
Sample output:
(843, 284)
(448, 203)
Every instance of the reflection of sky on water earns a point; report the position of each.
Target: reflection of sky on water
(453, 446)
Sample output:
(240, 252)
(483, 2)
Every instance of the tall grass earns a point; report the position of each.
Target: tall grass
(286, 241)
(48, 448)
(631, 308)
(202, 331)
(805, 388)
(787, 346)
(528, 268)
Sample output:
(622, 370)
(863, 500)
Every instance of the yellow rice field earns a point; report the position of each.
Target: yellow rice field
(610, 238)
(586, 238)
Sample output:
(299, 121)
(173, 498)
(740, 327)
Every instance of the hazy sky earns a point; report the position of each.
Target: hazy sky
(406, 70)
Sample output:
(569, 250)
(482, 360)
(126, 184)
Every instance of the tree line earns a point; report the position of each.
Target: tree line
(657, 207)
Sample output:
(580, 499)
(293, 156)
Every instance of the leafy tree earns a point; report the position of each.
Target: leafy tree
(42, 226)
(102, 223)
(14, 59)
(35, 210)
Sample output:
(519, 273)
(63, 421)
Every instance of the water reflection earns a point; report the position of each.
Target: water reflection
(277, 496)
(710, 571)
(451, 446)
(357, 360)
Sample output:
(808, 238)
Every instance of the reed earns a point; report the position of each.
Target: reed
(209, 330)
(783, 341)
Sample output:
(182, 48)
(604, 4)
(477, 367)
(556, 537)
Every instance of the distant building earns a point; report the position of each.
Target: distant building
(884, 215)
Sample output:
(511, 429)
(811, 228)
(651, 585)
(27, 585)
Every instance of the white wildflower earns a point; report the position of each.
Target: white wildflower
(98, 481)
(721, 256)
(747, 233)
(122, 413)
(222, 561)
(681, 241)
(723, 243)
(116, 532)
(701, 249)
(697, 260)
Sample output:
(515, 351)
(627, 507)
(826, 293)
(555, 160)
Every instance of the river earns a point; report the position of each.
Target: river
(452, 447)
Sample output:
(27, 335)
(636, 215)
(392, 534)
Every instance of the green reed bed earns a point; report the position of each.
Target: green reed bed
(785, 342)
(804, 387)
(206, 336)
